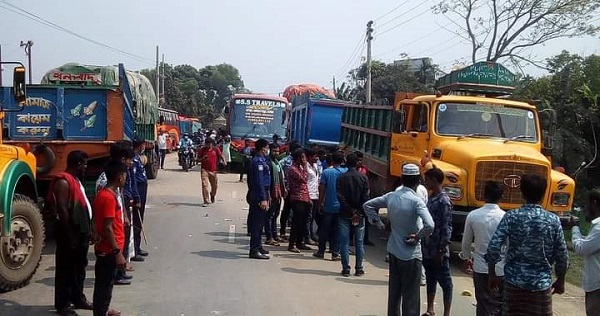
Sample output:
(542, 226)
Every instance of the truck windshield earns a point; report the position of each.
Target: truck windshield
(460, 119)
(254, 118)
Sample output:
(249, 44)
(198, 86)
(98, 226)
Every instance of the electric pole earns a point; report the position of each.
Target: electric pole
(157, 84)
(27, 46)
(162, 84)
(334, 84)
(369, 39)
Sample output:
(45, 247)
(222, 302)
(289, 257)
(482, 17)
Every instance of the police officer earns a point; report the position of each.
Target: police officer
(259, 183)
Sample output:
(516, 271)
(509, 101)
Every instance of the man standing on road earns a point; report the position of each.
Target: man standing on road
(259, 185)
(313, 191)
(353, 192)
(209, 159)
(141, 181)
(246, 154)
(535, 243)
(162, 147)
(481, 225)
(108, 217)
(278, 192)
(404, 208)
(286, 164)
(589, 248)
(73, 231)
(436, 248)
(330, 208)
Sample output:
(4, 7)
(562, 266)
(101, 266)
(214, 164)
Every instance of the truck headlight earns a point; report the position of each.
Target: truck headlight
(454, 193)
(560, 199)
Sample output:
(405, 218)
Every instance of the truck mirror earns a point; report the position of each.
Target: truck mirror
(19, 89)
(226, 110)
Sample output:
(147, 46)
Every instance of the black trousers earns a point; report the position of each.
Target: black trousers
(257, 219)
(271, 219)
(488, 303)
(300, 213)
(71, 261)
(105, 270)
(161, 155)
(285, 215)
(404, 296)
(138, 218)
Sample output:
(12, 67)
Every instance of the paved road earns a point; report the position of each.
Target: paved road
(198, 265)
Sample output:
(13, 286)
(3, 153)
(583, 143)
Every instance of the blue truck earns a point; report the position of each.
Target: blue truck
(316, 120)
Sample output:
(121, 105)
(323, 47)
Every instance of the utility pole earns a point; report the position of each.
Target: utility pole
(369, 39)
(157, 85)
(334, 84)
(27, 46)
(162, 77)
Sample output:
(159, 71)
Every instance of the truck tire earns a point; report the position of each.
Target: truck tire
(152, 166)
(21, 253)
(48, 156)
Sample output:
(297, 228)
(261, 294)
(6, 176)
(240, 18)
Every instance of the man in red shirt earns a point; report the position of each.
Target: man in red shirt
(108, 218)
(209, 158)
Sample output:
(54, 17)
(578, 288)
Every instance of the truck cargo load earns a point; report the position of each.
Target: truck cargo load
(316, 120)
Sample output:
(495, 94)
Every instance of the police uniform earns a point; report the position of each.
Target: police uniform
(259, 184)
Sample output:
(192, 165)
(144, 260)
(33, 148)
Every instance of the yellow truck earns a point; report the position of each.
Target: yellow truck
(470, 130)
(21, 225)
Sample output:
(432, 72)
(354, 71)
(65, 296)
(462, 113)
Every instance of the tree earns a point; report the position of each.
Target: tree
(219, 83)
(386, 80)
(500, 29)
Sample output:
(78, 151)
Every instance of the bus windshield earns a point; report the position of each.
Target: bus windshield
(458, 119)
(258, 118)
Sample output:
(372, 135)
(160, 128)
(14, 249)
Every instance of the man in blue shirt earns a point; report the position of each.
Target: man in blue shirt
(535, 243)
(141, 180)
(330, 208)
(405, 211)
(259, 184)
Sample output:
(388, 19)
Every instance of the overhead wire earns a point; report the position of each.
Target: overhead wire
(352, 57)
(420, 14)
(390, 11)
(34, 17)
(404, 13)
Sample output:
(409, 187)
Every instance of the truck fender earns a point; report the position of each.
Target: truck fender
(16, 175)
(49, 156)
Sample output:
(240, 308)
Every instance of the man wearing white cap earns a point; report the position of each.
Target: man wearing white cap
(404, 209)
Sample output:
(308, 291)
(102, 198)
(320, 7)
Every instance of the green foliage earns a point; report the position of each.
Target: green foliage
(387, 79)
(572, 89)
(198, 92)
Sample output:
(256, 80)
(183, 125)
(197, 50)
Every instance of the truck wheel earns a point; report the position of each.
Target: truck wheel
(153, 166)
(20, 254)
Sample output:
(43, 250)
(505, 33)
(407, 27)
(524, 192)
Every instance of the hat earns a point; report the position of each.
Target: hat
(410, 170)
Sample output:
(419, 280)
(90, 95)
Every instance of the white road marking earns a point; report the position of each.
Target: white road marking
(232, 233)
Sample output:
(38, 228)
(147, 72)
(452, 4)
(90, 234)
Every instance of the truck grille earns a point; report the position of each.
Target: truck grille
(507, 173)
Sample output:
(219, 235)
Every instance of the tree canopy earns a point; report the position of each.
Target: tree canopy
(200, 92)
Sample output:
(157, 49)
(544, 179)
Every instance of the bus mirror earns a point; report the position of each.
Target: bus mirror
(226, 110)
(19, 89)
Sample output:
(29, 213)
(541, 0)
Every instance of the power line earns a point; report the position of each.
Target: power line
(352, 56)
(390, 11)
(420, 14)
(420, 38)
(403, 13)
(20, 11)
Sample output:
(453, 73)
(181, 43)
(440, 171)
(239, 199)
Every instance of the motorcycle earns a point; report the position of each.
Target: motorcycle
(186, 158)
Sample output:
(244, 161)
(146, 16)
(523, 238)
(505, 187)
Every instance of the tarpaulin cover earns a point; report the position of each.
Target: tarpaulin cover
(300, 89)
(141, 88)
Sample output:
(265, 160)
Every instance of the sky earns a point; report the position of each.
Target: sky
(273, 43)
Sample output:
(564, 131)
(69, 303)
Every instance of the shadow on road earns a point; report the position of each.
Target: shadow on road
(362, 281)
(309, 271)
(301, 256)
(49, 281)
(225, 234)
(220, 254)
(11, 308)
(184, 204)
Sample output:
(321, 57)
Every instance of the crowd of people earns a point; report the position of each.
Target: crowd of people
(113, 224)
(511, 254)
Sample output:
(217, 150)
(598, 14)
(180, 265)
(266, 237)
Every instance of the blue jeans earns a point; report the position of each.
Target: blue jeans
(345, 225)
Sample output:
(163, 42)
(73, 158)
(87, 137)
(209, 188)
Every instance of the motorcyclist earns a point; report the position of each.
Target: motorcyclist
(184, 144)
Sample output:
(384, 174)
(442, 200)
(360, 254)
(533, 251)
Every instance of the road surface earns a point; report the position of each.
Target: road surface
(198, 265)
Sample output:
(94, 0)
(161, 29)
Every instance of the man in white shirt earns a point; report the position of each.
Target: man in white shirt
(480, 226)
(313, 191)
(589, 248)
(162, 147)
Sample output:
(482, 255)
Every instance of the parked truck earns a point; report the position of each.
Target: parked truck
(141, 110)
(316, 120)
(471, 131)
(21, 227)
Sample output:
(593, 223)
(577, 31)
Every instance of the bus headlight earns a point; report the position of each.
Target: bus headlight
(560, 199)
(454, 193)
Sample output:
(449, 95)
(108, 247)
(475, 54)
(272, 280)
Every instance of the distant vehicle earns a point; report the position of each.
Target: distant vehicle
(168, 121)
